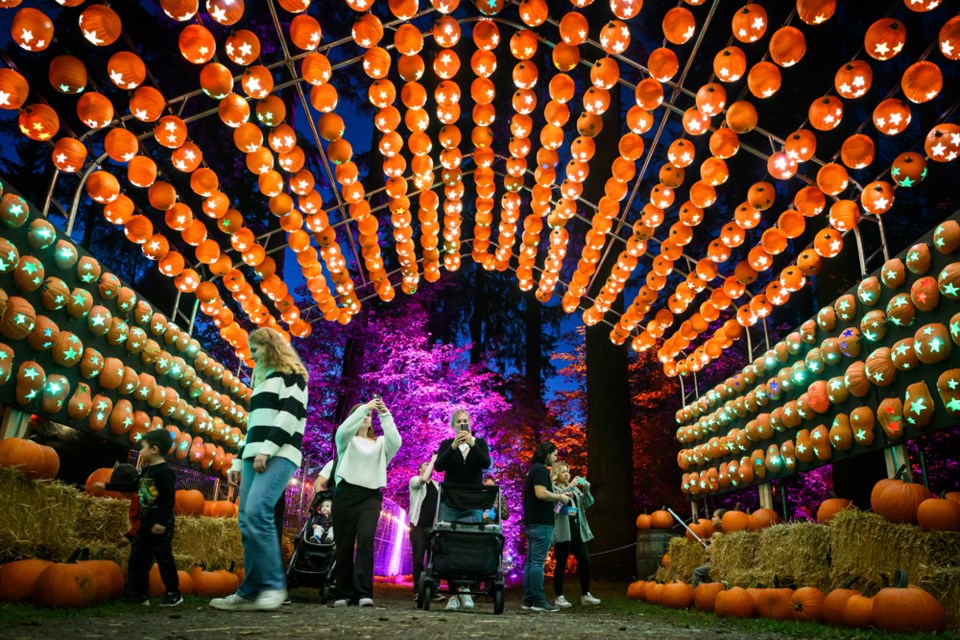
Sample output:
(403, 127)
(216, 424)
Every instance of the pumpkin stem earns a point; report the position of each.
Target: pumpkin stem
(900, 579)
(902, 474)
(850, 582)
(77, 555)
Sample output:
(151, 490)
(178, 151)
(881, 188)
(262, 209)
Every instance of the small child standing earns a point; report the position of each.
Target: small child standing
(323, 527)
(125, 479)
(153, 539)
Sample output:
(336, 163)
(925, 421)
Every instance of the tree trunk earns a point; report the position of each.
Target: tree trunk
(476, 318)
(609, 438)
(533, 346)
(353, 358)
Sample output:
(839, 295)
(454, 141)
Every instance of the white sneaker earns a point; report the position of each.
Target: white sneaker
(366, 602)
(271, 599)
(588, 599)
(234, 603)
(453, 604)
(562, 602)
(341, 603)
(467, 601)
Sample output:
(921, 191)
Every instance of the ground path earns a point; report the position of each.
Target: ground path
(395, 616)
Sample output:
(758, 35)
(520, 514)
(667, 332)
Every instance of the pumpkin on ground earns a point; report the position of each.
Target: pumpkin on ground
(834, 603)
(858, 611)
(108, 577)
(636, 590)
(677, 595)
(705, 595)
(907, 608)
(808, 604)
(734, 603)
(65, 585)
(773, 604)
(17, 578)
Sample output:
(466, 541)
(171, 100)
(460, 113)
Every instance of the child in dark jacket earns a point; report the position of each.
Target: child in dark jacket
(153, 539)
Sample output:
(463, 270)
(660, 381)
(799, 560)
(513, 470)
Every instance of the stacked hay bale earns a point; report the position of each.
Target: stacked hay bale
(794, 555)
(51, 520)
(685, 556)
(733, 558)
(866, 549)
(36, 518)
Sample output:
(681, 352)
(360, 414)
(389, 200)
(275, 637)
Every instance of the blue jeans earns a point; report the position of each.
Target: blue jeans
(262, 563)
(449, 514)
(539, 537)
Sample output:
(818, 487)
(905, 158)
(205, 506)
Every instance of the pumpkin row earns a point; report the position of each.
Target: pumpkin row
(902, 607)
(88, 582)
(946, 240)
(29, 275)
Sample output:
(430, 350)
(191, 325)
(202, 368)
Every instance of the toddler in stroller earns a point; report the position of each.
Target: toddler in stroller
(323, 522)
(314, 551)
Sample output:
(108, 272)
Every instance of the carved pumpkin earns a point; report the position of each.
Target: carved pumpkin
(932, 343)
(893, 273)
(55, 392)
(905, 355)
(946, 238)
(44, 335)
(948, 386)
(856, 379)
(901, 310)
(840, 434)
(862, 422)
(890, 417)
(111, 374)
(80, 403)
(30, 380)
(121, 418)
(918, 405)
(873, 325)
(879, 367)
(918, 258)
(820, 439)
(91, 363)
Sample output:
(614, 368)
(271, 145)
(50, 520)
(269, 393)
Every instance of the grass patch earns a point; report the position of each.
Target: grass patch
(14, 614)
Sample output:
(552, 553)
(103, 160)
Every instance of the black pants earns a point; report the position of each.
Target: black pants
(146, 549)
(561, 552)
(356, 511)
(419, 538)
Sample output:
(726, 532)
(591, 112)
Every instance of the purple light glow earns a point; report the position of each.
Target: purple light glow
(392, 553)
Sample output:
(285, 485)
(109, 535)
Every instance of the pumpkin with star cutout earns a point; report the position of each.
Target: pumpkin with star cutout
(948, 386)
(932, 343)
(918, 408)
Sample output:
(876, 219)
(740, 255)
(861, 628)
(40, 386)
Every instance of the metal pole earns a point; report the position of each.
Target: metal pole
(193, 317)
(76, 195)
(766, 334)
(923, 467)
(883, 239)
(49, 198)
(749, 345)
(863, 263)
(689, 530)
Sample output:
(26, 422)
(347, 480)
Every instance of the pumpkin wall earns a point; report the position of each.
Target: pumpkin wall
(875, 368)
(83, 349)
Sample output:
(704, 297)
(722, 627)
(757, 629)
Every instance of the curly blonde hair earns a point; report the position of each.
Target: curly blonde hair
(278, 354)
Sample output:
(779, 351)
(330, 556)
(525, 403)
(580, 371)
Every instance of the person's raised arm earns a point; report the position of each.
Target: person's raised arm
(351, 426)
(391, 437)
(546, 495)
(428, 470)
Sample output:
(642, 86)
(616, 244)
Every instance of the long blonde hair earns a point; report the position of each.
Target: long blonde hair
(557, 469)
(278, 355)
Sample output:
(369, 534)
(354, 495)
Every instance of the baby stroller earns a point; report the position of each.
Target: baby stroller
(312, 563)
(469, 556)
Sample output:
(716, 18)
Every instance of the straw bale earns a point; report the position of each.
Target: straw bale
(101, 521)
(36, 518)
(733, 558)
(685, 556)
(944, 584)
(865, 547)
(213, 542)
(796, 553)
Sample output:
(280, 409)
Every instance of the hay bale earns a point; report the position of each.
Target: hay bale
(101, 522)
(733, 558)
(212, 542)
(944, 584)
(796, 553)
(685, 556)
(37, 519)
(865, 547)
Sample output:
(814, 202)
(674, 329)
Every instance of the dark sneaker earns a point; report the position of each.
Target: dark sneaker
(546, 607)
(171, 599)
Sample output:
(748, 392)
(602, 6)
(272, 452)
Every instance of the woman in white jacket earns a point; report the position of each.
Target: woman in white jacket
(360, 474)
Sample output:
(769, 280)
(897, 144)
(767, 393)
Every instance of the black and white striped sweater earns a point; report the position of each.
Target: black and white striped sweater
(278, 414)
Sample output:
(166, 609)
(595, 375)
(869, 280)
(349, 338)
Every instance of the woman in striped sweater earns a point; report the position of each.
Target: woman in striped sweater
(267, 460)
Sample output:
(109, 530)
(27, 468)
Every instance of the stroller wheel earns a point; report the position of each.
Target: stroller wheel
(498, 599)
(325, 593)
(426, 594)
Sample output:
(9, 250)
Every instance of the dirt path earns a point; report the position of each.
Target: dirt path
(394, 617)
